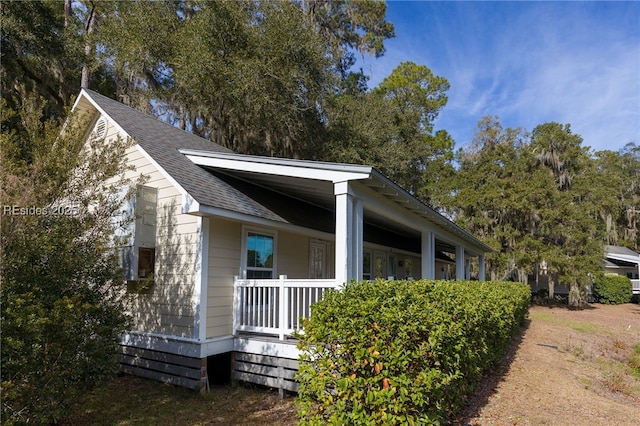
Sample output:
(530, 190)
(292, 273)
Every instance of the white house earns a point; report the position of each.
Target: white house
(623, 261)
(239, 246)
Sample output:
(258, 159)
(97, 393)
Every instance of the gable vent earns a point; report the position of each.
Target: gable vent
(101, 129)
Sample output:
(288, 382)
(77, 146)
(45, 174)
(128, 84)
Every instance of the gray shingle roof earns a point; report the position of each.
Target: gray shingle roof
(620, 250)
(162, 142)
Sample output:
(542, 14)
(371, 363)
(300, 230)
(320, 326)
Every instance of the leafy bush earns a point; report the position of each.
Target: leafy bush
(613, 289)
(62, 311)
(403, 352)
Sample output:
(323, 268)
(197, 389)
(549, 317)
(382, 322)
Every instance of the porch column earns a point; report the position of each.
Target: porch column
(428, 259)
(349, 213)
(467, 269)
(358, 245)
(481, 268)
(460, 266)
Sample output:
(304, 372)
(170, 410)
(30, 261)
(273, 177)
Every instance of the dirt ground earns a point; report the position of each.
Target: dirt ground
(566, 368)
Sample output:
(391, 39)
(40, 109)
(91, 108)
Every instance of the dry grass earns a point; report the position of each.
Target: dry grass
(129, 401)
(566, 368)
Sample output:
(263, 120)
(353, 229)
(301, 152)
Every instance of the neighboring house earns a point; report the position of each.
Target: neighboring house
(617, 260)
(239, 246)
(623, 261)
(539, 280)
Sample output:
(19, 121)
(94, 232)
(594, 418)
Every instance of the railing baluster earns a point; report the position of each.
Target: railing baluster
(253, 306)
(263, 306)
(268, 307)
(259, 306)
(296, 314)
(283, 296)
(274, 306)
(295, 306)
(306, 303)
(244, 306)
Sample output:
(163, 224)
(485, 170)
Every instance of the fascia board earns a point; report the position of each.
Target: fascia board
(179, 345)
(83, 93)
(394, 211)
(623, 257)
(277, 349)
(279, 166)
(436, 218)
(162, 342)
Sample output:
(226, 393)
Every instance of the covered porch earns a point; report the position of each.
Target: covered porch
(310, 226)
(275, 307)
(349, 205)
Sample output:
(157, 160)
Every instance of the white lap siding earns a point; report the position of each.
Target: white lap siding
(167, 308)
(225, 238)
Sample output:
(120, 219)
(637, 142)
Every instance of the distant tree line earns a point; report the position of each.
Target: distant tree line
(543, 199)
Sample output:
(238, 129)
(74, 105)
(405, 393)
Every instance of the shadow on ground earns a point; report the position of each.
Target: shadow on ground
(490, 381)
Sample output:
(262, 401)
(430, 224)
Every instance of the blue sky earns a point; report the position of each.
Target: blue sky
(527, 62)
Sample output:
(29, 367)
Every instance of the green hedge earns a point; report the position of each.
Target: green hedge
(403, 352)
(613, 289)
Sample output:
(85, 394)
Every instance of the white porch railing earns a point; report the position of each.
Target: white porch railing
(636, 286)
(275, 306)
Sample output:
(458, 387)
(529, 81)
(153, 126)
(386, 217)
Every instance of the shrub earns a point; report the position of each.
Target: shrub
(613, 289)
(403, 352)
(62, 314)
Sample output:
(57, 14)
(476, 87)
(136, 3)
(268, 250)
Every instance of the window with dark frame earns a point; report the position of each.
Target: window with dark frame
(146, 262)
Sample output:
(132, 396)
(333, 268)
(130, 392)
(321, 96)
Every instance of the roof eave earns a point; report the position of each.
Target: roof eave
(334, 172)
(429, 213)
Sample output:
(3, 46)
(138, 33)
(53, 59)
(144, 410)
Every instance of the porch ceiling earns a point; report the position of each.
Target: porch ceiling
(311, 203)
(315, 192)
(313, 183)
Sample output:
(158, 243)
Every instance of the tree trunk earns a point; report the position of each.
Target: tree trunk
(577, 297)
(551, 286)
(67, 12)
(88, 48)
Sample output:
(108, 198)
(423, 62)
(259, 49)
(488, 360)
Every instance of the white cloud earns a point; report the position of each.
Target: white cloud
(588, 78)
(529, 63)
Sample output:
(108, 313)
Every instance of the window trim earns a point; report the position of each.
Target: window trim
(146, 274)
(246, 230)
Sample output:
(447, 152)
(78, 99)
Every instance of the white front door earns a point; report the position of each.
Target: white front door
(318, 260)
